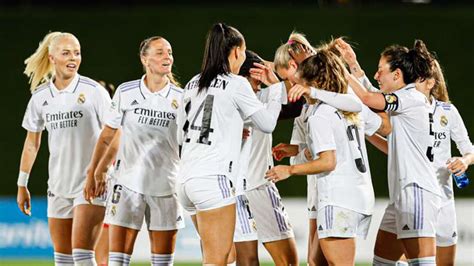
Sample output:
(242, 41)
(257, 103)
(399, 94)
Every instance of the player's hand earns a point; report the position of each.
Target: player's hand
(263, 73)
(89, 188)
(278, 173)
(297, 91)
(23, 200)
(284, 150)
(300, 53)
(245, 133)
(100, 182)
(347, 53)
(457, 165)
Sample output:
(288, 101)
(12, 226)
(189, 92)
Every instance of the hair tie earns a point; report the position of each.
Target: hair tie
(290, 42)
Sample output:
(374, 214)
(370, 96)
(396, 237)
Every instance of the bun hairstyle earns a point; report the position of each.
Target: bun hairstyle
(143, 51)
(221, 39)
(415, 64)
(250, 59)
(282, 54)
(325, 70)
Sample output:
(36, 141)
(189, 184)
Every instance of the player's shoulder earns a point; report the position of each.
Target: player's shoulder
(129, 86)
(445, 106)
(176, 89)
(88, 82)
(41, 91)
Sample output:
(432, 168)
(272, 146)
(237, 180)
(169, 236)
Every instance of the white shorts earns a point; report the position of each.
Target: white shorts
(335, 221)
(272, 220)
(413, 214)
(206, 193)
(245, 226)
(312, 197)
(127, 208)
(62, 208)
(446, 227)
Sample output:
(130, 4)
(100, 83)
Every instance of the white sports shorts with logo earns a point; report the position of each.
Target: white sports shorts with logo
(206, 193)
(312, 198)
(335, 221)
(127, 208)
(446, 227)
(414, 214)
(245, 225)
(63, 208)
(270, 215)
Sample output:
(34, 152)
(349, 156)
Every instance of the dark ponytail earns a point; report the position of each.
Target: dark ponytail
(220, 41)
(415, 64)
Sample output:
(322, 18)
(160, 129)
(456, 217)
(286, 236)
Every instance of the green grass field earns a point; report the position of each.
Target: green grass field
(50, 263)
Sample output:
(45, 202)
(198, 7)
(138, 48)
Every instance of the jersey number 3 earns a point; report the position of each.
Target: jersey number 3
(205, 127)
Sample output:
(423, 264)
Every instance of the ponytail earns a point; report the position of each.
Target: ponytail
(38, 67)
(220, 41)
(440, 89)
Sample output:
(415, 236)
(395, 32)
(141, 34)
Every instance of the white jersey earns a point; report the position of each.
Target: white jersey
(73, 118)
(147, 159)
(349, 185)
(241, 182)
(261, 159)
(212, 124)
(410, 143)
(447, 125)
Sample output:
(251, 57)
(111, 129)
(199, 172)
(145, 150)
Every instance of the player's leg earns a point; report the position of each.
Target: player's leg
(388, 248)
(60, 214)
(273, 226)
(315, 253)
(86, 229)
(102, 247)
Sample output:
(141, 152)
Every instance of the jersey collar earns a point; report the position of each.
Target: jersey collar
(71, 88)
(147, 93)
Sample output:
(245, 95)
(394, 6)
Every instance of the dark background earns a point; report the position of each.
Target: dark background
(111, 31)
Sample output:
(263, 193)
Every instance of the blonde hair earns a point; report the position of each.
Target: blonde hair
(282, 54)
(325, 70)
(440, 89)
(38, 67)
(144, 45)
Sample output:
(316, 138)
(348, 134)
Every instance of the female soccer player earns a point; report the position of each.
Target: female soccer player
(344, 186)
(71, 107)
(414, 191)
(215, 104)
(145, 110)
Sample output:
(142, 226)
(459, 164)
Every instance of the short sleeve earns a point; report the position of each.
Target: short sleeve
(401, 101)
(114, 114)
(322, 137)
(33, 120)
(102, 103)
(459, 133)
(245, 99)
(372, 121)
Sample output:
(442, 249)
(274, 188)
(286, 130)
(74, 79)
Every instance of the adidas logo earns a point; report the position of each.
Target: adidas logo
(406, 227)
(313, 209)
(320, 228)
(134, 102)
(179, 219)
(45, 103)
(454, 234)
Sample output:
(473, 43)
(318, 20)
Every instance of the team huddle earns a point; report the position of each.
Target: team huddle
(156, 150)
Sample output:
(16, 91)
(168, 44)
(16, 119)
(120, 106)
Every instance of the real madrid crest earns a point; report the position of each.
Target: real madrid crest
(443, 121)
(113, 210)
(174, 104)
(81, 99)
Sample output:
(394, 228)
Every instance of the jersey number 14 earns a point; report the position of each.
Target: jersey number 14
(205, 128)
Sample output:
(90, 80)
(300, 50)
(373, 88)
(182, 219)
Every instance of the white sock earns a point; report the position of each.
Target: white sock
(231, 264)
(402, 263)
(119, 259)
(378, 261)
(162, 259)
(83, 257)
(426, 261)
(61, 259)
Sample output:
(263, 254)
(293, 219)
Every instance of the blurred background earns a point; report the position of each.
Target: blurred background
(111, 31)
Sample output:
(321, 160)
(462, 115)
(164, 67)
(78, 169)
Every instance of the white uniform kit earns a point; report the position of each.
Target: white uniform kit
(265, 201)
(212, 135)
(147, 160)
(345, 195)
(447, 125)
(298, 137)
(413, 186)
(73, 118)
